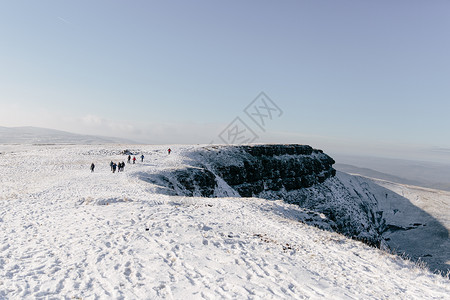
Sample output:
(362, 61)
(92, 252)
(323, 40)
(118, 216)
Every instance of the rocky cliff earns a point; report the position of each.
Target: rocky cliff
(251, 170)
(297, 174)
(248, 170)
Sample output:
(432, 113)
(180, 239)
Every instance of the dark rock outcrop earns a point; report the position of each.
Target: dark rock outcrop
(250, 170)
(297, 174)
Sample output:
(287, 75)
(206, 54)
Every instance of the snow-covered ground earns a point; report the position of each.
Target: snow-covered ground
(69, 233)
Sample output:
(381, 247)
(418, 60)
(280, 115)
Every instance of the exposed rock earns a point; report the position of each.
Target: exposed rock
(251, 170)
(297, 174)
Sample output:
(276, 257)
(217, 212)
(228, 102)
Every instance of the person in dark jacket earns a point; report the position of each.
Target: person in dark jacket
(92, 167)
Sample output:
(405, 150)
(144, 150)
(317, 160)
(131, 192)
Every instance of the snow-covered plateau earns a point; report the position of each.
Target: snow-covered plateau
(69, 233)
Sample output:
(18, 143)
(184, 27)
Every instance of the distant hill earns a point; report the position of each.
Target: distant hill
(36, 135)
(428, 177)
(366, 172)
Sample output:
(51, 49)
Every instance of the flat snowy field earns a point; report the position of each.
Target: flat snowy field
(68, 233)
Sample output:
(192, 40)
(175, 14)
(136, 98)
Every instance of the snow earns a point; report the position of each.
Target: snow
(427, 219)
(68, 233)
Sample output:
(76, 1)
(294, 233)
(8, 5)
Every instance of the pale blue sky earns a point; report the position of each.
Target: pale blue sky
(346, 74)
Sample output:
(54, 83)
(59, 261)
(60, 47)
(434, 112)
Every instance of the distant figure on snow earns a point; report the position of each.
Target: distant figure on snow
(168, 151)
(134, 159)
(129, 158)
(142, 158)
(111, 165)
(114, 167)
(92, 167)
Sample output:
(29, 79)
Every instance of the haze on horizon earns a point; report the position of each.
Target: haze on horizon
(348, 77)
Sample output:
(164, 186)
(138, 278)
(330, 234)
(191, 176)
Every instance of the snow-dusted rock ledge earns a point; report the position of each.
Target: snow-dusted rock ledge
(296, 174)
(247, 170)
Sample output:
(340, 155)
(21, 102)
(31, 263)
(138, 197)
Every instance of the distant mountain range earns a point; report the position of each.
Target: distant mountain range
(426, 175)
(366, 172)
(37, 135)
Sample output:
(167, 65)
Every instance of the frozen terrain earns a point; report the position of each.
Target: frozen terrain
(69, 233)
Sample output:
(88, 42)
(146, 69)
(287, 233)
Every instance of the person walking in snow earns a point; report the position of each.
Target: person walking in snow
(142, 158)
(92, 167)
(111, 165)
(114, 167)
(168, 151)
(129, 158)
(134, 159)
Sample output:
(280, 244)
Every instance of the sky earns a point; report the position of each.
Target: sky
(345, 76)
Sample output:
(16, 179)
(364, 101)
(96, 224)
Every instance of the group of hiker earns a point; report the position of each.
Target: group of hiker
(121, 165)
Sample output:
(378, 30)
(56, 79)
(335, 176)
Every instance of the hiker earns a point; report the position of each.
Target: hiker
(114, 166)
(111, 165)
(169, 150)
(134, 159)
(142, 158)
(92, 167)
(129, 158)
(123, 165)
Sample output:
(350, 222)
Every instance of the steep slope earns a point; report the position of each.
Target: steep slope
(297, 174)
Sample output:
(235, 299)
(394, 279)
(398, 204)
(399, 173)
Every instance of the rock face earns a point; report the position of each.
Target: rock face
(296, 174)
(248, 170)
(251, 170)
